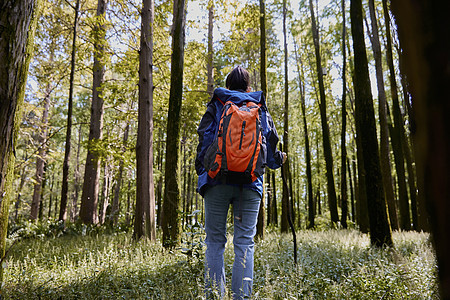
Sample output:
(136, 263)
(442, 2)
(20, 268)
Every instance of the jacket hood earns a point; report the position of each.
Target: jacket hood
(238, 97)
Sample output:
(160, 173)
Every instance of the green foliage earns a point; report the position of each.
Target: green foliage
(332, 265)
(192, 239)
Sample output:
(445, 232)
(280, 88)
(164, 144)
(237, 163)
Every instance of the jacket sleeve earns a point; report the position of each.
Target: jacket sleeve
(206, 132)
(274, 156)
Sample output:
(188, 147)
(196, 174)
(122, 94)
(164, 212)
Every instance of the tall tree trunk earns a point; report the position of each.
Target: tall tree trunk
(420, 221)
(285, 199)
(40, 160)
(104, 196)
(275, 204)
(380, 231)
(269, 197)
(19, 193)
(352, 195)
(396, 133)
(170, 220)
(310, 192)
(261, 225)
(209, 64)
(403, 138)
(344, 126)
(65, 179)
(41, 194)
(423, 29)
(332, 201)
(384, 130)
(50, 200)
(361, 203)
(89, 196)
(18, 19)
(159, 187)
(411, 181)
(77, 175)
(118, 184)
(128, 210)
(415, 186)
(144, 222)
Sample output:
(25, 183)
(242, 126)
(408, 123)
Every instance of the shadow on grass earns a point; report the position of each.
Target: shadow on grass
(180, 280)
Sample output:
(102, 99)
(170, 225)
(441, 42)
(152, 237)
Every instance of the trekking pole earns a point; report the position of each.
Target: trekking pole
(289, 212)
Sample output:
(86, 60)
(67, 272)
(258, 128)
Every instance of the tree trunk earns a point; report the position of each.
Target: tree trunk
(396, 135)
(128, 210)
(209, 64)
(422, 218)
(50, 200)
(144, 222)
(332, 201)
(18, 19)
(420, 221)
(118, 184)
(89, 196)
(275, 204)
(384, 130)
(41, 194)
(19, 193)
(310, 193)
(411, 181)
(352, 195)
(344, 197)
(269, 197)
(65, 179)
(74, 208)
(40, 160)
(423, 29)
(170, 220)
(261, 225)
(285, 199)
(159, 187)
(380, 231)
(104, 197)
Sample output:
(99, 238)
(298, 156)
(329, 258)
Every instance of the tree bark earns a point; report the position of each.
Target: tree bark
(42, 151)
(352, 194)
(89, 196)
(310, 192)
(285, 200)
(423, 29)
(18, 19)
(159, 186)
(144, 222)
(104, 197)
(171, 202)
(118, 184)
(269, 197)
(77, 175)
(209, 64)
(384, 130)
(332, 200)
(380, 231)
(65, 179)
(261, 225)
(41, 194)
(344, 197)
(275, 204)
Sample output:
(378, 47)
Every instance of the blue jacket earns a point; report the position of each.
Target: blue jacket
(208, 129)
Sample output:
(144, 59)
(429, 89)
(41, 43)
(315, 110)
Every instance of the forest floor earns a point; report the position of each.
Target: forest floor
(332, 264)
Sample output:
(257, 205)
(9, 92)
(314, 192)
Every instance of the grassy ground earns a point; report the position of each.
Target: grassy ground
(332, 265)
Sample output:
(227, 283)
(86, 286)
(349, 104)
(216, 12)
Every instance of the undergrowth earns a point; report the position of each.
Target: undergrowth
(334, 264)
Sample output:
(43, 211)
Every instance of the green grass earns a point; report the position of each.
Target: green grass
(335, 264)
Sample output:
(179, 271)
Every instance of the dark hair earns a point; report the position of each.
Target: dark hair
(238, 79)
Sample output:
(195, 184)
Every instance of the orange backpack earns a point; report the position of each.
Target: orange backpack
(238, 152)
